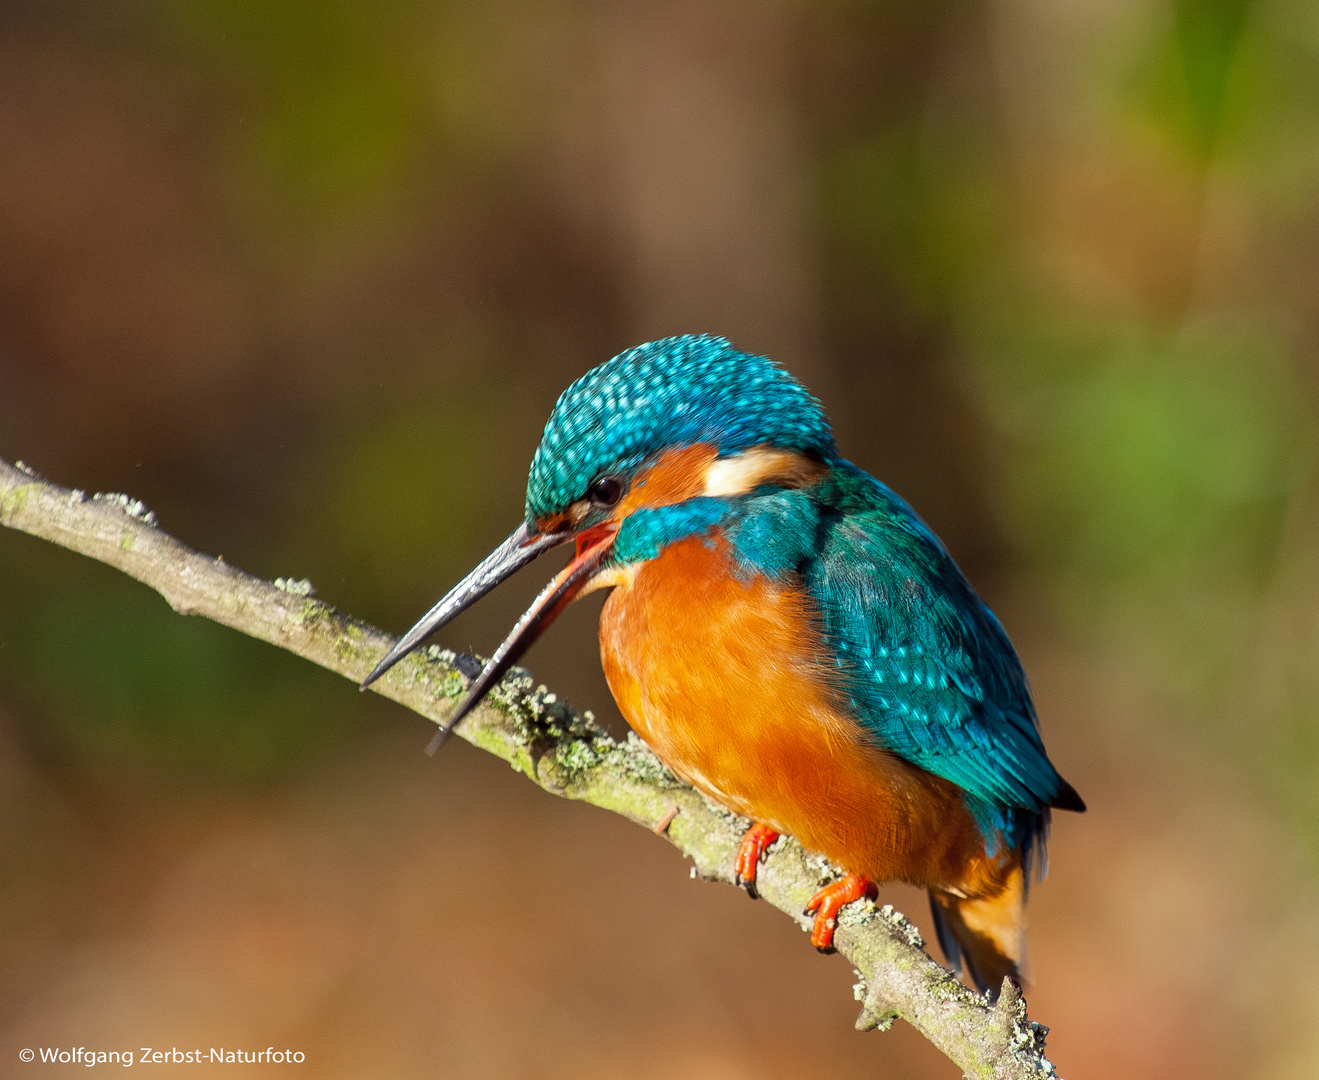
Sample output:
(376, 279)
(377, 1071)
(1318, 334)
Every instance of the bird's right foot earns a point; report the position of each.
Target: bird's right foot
(755, 842)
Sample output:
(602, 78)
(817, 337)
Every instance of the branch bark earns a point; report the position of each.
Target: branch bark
(555, 746)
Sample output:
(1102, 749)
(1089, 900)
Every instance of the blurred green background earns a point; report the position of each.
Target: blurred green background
(306, 276)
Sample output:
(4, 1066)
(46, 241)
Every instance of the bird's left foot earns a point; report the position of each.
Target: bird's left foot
(755, 842)
(829, 901)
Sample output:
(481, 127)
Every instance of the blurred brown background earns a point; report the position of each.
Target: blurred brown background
(307, 275)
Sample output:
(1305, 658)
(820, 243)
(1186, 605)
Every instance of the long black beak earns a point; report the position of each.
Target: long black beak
(592, 546)
(511, 556)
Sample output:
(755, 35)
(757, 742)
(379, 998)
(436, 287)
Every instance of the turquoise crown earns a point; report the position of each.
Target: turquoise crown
(675, 392)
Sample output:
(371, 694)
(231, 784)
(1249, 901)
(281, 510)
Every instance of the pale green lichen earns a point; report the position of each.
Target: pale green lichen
(902, 926)
(734, 821)
(494, 741)
(858, 913)
(134, 508)
(347, 649)
(308, 615)
(876, 1015)
(577, 755)
(823, 870)
(11, 503)
(1025, 1037)
(637, 759)
(538, 715)
(297, 587)
(878, 1021)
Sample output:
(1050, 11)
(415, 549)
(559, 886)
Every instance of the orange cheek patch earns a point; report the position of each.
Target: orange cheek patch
(677, 476)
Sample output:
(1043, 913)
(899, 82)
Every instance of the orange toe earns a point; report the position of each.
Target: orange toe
(755, 842)
(829, 901)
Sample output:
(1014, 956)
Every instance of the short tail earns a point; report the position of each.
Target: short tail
(986, 933)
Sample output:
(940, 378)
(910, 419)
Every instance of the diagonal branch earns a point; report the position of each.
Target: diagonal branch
(560, 749)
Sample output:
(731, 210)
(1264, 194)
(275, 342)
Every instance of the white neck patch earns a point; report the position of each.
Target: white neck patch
(748, 470)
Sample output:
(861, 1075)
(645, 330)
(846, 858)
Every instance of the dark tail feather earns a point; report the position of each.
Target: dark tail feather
(985, 934)
(952, 952)
(1068, 799)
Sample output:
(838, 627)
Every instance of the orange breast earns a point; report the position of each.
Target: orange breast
(728, 683)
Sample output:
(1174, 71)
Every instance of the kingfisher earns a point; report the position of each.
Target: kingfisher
(788, 636)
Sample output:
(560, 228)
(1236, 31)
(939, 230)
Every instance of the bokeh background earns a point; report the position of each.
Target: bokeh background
(306, 277)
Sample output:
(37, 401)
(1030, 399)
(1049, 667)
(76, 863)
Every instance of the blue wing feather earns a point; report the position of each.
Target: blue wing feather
(929, 669)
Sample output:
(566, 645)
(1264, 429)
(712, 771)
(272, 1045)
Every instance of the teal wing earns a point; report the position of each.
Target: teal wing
(928, 668)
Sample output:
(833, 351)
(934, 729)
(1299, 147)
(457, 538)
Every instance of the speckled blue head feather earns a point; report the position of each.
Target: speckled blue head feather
(669, 393)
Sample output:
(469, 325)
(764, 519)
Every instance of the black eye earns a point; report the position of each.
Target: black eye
(606, 491)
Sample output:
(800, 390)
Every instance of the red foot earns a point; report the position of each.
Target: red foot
(754, 843)
(830, 900)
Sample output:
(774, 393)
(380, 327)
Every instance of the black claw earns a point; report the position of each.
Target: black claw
(825, 950)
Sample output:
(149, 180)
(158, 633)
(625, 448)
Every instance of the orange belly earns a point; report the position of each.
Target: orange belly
(724, 679)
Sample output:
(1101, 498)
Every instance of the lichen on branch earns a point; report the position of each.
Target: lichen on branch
(559, 748)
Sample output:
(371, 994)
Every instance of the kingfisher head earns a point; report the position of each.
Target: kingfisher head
(685, 423)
